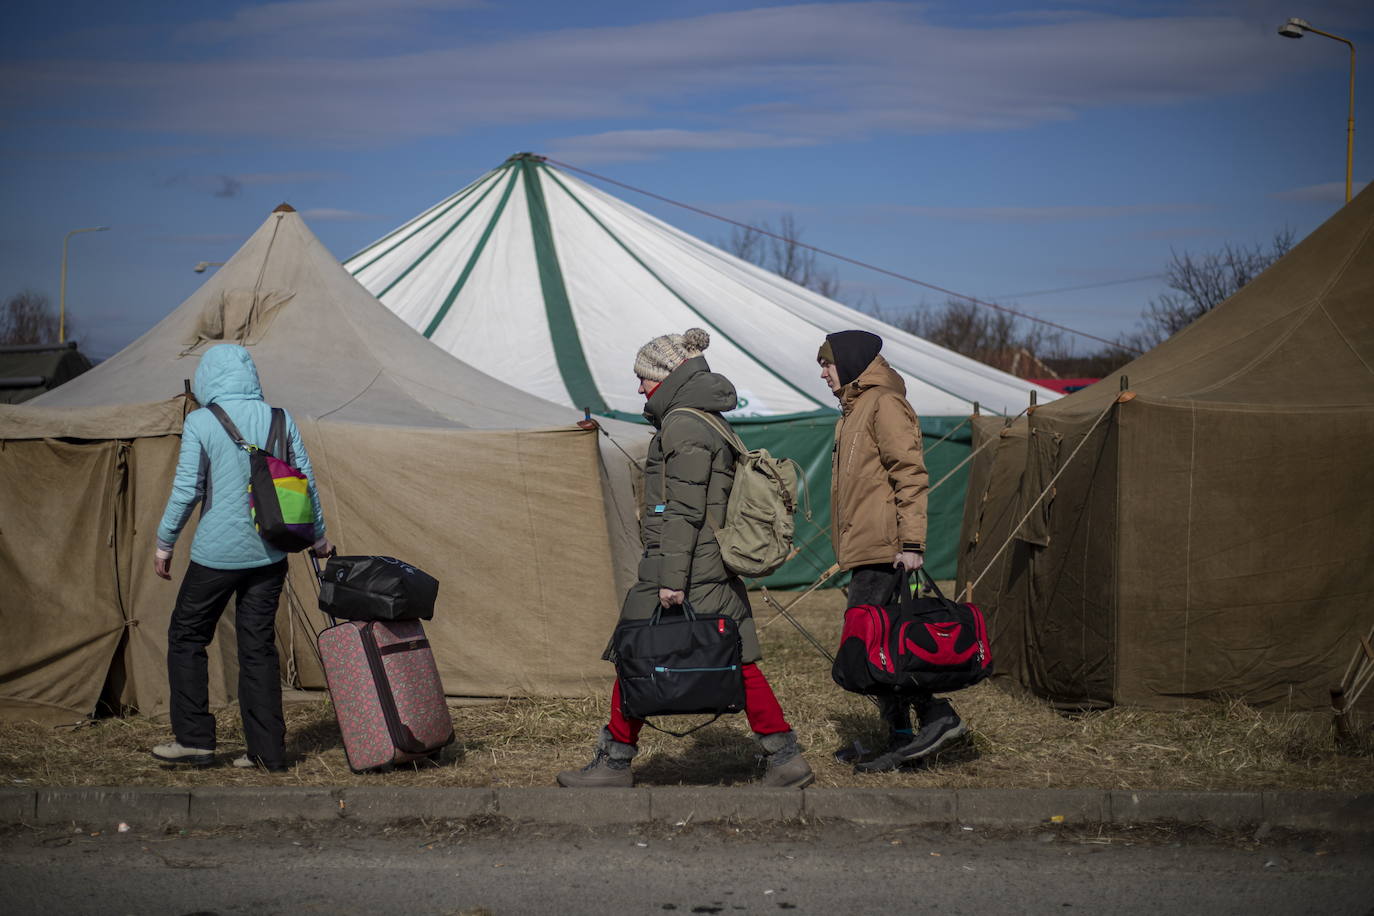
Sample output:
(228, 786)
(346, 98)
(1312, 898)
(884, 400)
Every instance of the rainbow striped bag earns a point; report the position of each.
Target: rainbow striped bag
(278, 494)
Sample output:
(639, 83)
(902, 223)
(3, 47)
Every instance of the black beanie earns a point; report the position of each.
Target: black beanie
(853, 351)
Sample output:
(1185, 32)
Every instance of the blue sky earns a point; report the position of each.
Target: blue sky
(994, 148)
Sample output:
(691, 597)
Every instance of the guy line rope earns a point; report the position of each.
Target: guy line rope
(840, 257)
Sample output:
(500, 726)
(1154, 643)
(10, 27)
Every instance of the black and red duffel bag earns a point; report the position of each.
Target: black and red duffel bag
(915, 641)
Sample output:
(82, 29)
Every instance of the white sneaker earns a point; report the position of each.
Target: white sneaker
(186, 756)
(248, 763)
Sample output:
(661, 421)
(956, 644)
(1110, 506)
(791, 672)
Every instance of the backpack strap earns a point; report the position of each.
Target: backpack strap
(727, 432)
(278, 446)
(230, 428)
(733, 442)
(716, 422)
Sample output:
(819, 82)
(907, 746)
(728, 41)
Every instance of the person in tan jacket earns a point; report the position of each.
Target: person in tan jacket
(878, 519)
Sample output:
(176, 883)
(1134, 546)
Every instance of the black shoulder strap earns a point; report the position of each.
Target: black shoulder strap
(229, 426)
(277, 444)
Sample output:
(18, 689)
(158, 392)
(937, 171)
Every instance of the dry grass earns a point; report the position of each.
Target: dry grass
(1018, 742)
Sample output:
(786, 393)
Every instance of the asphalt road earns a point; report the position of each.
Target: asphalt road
(494, 867)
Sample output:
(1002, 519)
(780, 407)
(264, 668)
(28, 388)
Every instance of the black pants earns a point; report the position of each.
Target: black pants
(876, 584)
(203, 596)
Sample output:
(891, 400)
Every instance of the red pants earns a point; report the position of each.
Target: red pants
(760, 707)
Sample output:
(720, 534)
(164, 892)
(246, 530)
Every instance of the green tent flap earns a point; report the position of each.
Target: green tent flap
(808, 440)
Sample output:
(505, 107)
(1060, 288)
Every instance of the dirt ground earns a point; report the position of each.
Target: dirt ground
(1016, 741)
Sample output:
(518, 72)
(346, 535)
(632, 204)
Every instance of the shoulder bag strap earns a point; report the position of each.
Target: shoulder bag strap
(278, 446)
(230, 428)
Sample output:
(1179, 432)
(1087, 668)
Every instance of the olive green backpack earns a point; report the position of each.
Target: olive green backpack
(757, 535)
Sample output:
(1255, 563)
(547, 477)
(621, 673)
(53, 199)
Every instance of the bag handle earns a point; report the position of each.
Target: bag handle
(688, 613)
(901, 590)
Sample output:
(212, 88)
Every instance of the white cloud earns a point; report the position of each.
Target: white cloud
(329, 215)
(634, 145)
(317, 21)
(792, 75)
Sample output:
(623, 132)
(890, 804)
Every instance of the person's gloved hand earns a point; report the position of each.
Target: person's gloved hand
(671, 596)
(162, 563)
(323, 548)
(909, 560)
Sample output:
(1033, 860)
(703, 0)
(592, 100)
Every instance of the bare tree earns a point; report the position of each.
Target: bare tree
(783, 256)
(1202, 283)
(999, 339)
(28, 318)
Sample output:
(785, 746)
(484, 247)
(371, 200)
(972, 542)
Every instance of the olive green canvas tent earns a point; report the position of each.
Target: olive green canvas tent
(28, 370)
(1201, 524)
(497, 493)
(552, 285)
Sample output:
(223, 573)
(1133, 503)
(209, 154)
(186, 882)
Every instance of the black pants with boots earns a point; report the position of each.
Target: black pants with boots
(876, 585)
(200, 602)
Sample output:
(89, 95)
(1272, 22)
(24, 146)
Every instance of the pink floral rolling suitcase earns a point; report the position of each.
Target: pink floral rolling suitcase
(386, 691)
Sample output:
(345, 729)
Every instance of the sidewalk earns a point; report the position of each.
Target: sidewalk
(1340, 812)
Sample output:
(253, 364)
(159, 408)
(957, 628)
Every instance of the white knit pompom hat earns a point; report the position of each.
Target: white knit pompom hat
(665, 353)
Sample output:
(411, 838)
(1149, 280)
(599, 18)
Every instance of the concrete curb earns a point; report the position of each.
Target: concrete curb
(1341, 812)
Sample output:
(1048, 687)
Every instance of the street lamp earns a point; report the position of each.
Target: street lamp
(200, 266)
(1294, 28)
(62, 287)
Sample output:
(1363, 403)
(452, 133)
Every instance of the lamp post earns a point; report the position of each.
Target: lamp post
(1294, 28)
(201, 265)
(62, 286)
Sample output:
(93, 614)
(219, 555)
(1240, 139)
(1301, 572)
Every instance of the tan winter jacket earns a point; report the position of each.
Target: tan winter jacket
(878, 474)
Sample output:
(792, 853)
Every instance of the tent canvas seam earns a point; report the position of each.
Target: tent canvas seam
(1188, 544)
(437, 242)
(452, 201)
(1344, 339)
(567, 341)
(677, 295)
(476, 255)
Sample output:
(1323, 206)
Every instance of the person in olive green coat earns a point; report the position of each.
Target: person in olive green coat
(687, 480)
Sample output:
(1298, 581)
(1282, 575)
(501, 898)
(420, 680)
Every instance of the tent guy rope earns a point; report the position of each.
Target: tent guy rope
(848, 260)
(968, 589)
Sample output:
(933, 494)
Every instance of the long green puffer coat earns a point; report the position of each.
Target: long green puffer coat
(687, 479)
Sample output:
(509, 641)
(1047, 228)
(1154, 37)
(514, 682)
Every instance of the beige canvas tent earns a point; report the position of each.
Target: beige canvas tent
(1213, 534)
(418, 455)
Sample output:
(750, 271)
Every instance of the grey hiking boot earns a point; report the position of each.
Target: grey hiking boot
(609, 769)
(787, 768)
(176, 752)
(940, 727)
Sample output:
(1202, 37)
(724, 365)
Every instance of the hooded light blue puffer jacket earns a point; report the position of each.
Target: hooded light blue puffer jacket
(213, 471)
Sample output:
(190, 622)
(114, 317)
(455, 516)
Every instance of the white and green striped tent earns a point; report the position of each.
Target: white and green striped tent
(551, 285)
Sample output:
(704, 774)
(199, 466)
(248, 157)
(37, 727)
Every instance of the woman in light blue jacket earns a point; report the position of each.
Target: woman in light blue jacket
(228, 557)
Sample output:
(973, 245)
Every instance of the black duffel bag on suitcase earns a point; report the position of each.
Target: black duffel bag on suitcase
(679, 665)
(376, 588)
